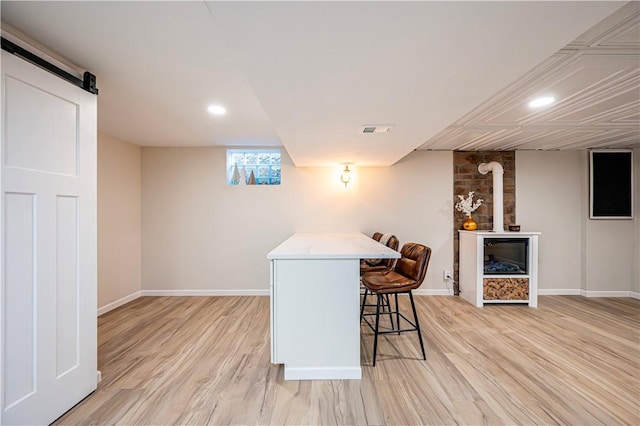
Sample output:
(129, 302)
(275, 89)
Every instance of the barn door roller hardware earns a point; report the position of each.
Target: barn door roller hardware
(87, 83)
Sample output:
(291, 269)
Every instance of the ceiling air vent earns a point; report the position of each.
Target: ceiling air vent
(376, 129)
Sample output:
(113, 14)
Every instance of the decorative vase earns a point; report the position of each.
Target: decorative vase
(470, 224)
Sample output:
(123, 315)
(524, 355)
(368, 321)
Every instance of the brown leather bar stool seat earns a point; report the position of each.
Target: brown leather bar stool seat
(389, 283)
(407, 275)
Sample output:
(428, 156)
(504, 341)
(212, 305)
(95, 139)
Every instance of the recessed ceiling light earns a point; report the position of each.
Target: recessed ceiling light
(542, 101)
(216, 110)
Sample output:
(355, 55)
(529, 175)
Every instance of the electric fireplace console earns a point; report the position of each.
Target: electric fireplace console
(499, 267)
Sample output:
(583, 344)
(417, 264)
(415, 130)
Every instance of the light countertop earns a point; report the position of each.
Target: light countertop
(351, 245)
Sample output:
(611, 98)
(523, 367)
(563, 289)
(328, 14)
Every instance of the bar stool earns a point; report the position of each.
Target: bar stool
(383, 266)
(407, 275)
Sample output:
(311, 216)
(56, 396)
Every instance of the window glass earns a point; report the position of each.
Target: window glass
(254, 166)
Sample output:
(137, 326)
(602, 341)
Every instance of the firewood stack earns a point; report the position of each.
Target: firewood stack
(506, 288)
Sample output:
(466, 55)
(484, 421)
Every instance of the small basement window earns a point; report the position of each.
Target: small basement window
(254, 166)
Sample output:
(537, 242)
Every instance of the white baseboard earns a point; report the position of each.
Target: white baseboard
(433, 292)
(322, 373)
(559, 292)
(208, 292)
(588, 293)
(111, 306)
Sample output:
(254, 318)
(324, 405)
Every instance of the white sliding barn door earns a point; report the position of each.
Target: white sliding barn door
(48, 321)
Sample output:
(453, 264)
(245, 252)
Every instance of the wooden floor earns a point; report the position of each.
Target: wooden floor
(205, 360)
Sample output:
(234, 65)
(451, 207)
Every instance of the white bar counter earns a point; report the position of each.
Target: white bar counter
(315, 303)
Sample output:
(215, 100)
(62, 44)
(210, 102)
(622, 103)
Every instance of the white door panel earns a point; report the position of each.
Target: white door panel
(57, 120)
(19, 294)
(48, 217)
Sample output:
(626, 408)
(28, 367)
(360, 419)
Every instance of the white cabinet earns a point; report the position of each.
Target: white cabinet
(315, 318)
(499, 267)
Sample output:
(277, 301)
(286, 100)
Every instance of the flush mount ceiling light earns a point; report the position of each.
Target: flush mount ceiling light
(216, 110)
(541, 101)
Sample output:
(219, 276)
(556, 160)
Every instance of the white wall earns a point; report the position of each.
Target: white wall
(549, 200)
(610, 260)
(593, 257)
(204, 236)
(610, 245)
(119, 214)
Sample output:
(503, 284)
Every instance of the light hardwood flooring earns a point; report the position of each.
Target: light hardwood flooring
(205, 360)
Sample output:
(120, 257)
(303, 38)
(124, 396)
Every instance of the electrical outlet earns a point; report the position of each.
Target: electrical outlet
(447, 275)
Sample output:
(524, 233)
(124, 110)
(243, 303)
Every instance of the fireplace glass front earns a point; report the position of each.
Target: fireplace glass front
(506, 256)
